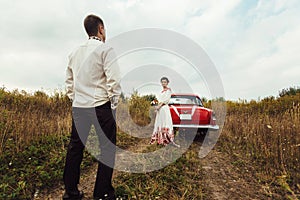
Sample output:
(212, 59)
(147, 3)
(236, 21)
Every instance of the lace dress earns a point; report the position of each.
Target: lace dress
(163, 128)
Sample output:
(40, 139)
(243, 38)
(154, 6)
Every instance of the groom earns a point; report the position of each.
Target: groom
(93, 86)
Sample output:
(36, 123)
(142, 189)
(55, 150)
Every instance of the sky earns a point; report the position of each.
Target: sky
(253, 44)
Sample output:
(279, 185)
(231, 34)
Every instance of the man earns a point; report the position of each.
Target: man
(93, 85)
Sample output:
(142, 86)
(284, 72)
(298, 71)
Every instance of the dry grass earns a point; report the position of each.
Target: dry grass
(25, 118)
(268, 133)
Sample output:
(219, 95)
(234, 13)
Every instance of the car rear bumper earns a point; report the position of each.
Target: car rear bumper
(211, 127)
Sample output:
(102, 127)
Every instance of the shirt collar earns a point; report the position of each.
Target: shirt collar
(94, 38)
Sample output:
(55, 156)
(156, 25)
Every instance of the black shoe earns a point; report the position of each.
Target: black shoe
(106, 197)
(73, 196)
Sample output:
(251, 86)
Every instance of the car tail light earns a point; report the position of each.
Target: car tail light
(213, 119)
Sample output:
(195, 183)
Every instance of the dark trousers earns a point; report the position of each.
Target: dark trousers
(102, 117)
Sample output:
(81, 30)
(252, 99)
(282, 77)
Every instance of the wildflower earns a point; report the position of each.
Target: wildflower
(36, 193)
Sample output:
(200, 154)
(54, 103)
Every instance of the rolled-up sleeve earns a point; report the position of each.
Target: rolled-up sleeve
(113, 77)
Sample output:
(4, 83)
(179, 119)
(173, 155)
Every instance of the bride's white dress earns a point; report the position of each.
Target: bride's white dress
(163, 127)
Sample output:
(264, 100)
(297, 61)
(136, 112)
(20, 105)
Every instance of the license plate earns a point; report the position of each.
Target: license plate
(185, 116)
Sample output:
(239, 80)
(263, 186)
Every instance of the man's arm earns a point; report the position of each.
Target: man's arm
(69, 82)
(113, 77)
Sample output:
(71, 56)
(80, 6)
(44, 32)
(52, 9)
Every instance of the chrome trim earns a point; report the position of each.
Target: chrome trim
(215, 127)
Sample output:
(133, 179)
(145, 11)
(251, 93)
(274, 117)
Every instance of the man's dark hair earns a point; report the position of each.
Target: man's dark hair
(91, 23)
(164, 78)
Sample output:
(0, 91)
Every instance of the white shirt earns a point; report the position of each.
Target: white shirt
(93, 75)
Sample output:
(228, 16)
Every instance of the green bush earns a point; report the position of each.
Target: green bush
(39, 165)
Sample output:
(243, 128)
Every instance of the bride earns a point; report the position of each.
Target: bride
(163, 128)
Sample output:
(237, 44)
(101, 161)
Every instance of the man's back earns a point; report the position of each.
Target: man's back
(94, 73)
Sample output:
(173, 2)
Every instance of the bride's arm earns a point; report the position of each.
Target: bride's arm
(165, 99)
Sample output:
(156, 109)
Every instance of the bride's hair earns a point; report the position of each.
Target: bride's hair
(164, 78)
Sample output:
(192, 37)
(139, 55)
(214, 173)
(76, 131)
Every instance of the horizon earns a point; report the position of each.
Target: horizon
(51, 92)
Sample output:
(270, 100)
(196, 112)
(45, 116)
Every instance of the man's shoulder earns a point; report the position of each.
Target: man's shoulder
(100, 48)
(105, 50)
(104, 47)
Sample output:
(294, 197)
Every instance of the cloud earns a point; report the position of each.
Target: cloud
(252, 43)
(264, 51)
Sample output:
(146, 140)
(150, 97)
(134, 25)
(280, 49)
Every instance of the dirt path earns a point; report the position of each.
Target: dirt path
(87, 179)
(226, 177)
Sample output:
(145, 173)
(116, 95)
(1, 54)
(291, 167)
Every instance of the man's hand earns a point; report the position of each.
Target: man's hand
(114, 102)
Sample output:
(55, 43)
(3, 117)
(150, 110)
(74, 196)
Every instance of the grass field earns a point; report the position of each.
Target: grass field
(34, 131)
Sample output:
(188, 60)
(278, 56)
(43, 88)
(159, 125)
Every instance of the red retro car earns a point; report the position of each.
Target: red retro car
(188, 112)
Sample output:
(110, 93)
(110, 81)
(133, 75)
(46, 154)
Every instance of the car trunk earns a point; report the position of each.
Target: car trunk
(190, 115)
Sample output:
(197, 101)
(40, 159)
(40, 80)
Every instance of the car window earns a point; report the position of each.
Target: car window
(199, 102)
(185, 100)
